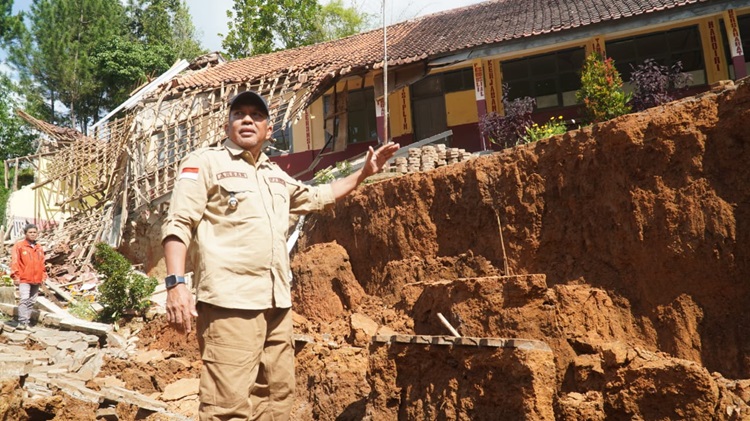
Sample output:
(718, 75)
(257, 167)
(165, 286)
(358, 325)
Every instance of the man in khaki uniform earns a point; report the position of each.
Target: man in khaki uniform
(234, 204)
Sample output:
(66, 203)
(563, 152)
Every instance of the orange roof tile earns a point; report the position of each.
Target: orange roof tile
(427, 37)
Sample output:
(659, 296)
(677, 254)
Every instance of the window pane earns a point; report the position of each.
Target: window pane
(361, 116)
(428, 87)
(545, 77)
(625, 69)
(545, 87)
(569, 98)
(621, 50)
(461, 80)
(682, 39)
(513, 70)
(651, 46)
(519, 89)
(372, 134)
(356, 100)
(570, 82)
(570, 61)
(547, 101)
(542, 65)
(357, 126)
(690, 61)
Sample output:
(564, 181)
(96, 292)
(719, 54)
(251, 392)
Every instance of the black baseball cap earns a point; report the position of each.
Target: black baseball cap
(249, 98)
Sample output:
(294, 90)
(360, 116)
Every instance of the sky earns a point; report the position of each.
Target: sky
(210, 17)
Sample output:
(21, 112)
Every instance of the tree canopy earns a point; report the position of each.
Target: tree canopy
(263, 26)
(15, 139)
(76, 59)
(165, 24)
(10, 25)
(337, 21)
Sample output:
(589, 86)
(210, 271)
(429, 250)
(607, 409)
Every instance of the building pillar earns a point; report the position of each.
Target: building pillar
(480, 96)
(713, 52)
(735, 44)
(494, 96)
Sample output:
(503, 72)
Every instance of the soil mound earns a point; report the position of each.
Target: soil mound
(626, 242)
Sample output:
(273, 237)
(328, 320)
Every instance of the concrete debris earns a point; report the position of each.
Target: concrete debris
(180, 389)
(68, 363)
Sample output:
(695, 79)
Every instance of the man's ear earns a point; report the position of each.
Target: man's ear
(226, 129)
(269, 131)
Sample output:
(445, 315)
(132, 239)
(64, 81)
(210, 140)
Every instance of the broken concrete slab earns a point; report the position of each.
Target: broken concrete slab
(120, 394)
(180, 389)
(13, 366)
(77, 389)
(145, 357)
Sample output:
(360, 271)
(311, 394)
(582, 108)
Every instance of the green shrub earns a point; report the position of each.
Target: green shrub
(82, 309)
(326, 175)
(6, 281)
(601, 89)
(553, 127)
(323, 176)
(123, 290)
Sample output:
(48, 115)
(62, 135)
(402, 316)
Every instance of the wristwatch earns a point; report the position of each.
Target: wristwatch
(172, 280)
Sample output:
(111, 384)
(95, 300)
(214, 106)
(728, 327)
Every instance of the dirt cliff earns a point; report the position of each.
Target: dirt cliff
(629, 240)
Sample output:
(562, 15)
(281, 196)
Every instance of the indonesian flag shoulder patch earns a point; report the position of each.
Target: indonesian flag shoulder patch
(190, 173)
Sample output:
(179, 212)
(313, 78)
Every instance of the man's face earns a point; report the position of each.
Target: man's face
(31, 234)
(248, 127)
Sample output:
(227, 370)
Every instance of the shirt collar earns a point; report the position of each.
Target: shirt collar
(238, 152)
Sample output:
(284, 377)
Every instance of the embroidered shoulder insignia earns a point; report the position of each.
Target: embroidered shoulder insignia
(190, 173)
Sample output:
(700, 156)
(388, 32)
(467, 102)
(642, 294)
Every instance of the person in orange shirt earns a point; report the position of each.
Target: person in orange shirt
(28, 272)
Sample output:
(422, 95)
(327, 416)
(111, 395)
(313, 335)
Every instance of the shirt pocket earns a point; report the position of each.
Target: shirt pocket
(280, 195)
(235, 196)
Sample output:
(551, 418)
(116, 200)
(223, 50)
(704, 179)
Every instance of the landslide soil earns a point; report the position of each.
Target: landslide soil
(641, 226)
(629, 240)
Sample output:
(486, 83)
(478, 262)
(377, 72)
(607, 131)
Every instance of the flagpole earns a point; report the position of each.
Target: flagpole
(385, 78)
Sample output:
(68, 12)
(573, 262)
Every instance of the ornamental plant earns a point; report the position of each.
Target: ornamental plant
(553, 127)
(601, 89)
(654, 84)
(123, 291)
(509, 129)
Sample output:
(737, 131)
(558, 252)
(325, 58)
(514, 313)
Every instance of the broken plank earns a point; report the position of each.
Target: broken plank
(65, 295)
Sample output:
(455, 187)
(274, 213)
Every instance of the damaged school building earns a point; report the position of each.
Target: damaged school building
(445, 72)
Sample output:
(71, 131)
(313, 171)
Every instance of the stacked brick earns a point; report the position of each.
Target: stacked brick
(429, 157)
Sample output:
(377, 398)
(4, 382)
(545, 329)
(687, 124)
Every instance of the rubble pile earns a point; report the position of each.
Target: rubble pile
(64, 373)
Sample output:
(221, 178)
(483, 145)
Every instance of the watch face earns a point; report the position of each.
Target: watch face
(173, 280)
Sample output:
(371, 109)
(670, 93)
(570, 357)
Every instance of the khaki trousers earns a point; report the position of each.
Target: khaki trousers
(248, 364)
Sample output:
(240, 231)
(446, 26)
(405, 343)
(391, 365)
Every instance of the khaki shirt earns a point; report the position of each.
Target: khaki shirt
(240, 258)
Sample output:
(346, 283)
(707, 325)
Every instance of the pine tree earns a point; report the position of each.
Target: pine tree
(56, 50)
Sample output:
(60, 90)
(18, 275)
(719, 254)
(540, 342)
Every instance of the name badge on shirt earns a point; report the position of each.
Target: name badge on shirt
(230, 174)
(277, 180)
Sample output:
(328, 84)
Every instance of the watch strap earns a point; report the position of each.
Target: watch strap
(172, 281)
